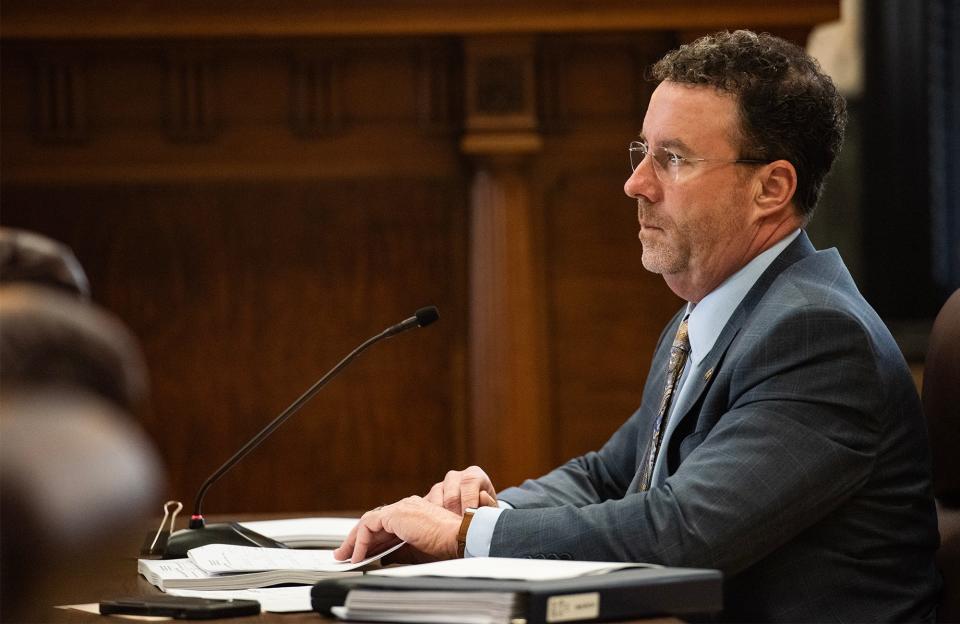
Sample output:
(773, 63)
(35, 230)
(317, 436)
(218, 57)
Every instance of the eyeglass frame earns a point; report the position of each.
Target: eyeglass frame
(636, 146)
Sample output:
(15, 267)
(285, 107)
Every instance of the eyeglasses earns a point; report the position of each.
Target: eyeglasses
(672, 167)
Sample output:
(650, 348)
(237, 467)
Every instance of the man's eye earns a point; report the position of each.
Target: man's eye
(674, 159)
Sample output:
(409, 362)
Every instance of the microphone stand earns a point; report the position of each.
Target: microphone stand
(199, 533)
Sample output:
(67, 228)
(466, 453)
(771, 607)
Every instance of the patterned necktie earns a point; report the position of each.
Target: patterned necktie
(678, 358)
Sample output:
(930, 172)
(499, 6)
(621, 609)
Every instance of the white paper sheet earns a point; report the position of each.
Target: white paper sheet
(166, 569)
(303, 532)
(273, 599)
(506, 568)
(225, 558)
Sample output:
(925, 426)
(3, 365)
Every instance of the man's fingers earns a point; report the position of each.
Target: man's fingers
(435, 495)
(469, 494)
(346, 548)
(451, 492)
(362, 542)
(476, 475)
(371, 523)
(487, 501)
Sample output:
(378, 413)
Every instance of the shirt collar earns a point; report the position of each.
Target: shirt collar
(707, 318)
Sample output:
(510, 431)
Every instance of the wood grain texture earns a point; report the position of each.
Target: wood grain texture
(333, 198)
(508, 373)
(103, 19)
(245, 294)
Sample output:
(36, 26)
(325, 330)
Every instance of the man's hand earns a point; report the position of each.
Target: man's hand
(425, 526)
(464, 488)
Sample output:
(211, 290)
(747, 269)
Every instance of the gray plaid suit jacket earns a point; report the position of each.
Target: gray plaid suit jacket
(800, 468)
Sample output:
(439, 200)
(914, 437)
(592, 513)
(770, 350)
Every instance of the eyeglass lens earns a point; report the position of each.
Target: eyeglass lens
(662, 159)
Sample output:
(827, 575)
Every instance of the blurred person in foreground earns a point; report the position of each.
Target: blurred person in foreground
(77, 473)
(780, 437)
(32, 258)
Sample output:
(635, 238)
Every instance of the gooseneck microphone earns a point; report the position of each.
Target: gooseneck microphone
(199, 533)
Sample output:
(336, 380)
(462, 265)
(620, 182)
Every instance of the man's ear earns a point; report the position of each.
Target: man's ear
(776, 186)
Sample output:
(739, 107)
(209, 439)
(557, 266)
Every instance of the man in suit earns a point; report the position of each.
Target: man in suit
(780, 437)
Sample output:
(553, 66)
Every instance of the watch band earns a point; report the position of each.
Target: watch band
(464, 527)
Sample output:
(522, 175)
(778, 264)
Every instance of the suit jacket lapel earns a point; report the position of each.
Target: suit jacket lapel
(700, 383)
(798, 249)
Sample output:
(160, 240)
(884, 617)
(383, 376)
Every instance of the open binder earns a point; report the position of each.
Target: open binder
(618, 595)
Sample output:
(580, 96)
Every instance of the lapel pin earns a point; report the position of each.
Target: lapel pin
(707, 375)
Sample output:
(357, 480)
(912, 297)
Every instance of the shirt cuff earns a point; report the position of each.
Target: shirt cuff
(480, 533)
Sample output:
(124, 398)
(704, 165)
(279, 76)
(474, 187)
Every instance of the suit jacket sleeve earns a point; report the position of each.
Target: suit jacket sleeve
(590, 478)
(792, 423)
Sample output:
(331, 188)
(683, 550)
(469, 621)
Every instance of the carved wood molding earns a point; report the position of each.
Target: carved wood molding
(315, 95)
(105, 19)
(500, 84)
(508, 340)
(551, 95)
(192, 107)
(439, 87)
(59, 110)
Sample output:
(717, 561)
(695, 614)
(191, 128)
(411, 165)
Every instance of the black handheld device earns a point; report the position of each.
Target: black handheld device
(180, 607)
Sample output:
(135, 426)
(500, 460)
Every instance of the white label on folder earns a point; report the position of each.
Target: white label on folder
(573, 607)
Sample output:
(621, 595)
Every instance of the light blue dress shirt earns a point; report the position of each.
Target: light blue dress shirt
(706, 320)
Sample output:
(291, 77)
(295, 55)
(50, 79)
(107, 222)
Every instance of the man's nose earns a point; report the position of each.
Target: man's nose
(643, 182)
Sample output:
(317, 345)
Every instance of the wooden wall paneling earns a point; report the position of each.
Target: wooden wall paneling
(315, 94)
(798, 33)
(222, 251)
(60, 99)
(510, 432)
(439, 82)
(645, 51)
(500, 84)
(605, 310)
(508, 366)
(128, 94)
(232, 174)
(193, 109)
(552, 97)
(244, 295)
(219, 19)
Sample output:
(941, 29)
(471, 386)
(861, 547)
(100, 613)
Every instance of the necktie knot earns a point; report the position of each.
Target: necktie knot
(682, 339)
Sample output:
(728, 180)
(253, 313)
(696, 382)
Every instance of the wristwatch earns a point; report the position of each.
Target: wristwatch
(464, 526)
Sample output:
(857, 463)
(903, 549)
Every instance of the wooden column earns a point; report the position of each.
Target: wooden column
(509, 432)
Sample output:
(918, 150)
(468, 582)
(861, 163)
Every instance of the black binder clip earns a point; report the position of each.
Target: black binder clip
(154, 545)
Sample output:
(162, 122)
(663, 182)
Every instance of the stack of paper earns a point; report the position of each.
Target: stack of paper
(305, 532)
(435, 607)
(184, 574)
(221, 566)
(488, 591)
(505, 568)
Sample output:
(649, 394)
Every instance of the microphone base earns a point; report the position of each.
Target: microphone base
(221, 533)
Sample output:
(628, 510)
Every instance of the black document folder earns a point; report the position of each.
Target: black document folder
(619, 595)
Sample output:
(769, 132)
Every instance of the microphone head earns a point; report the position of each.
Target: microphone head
(427, 315)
